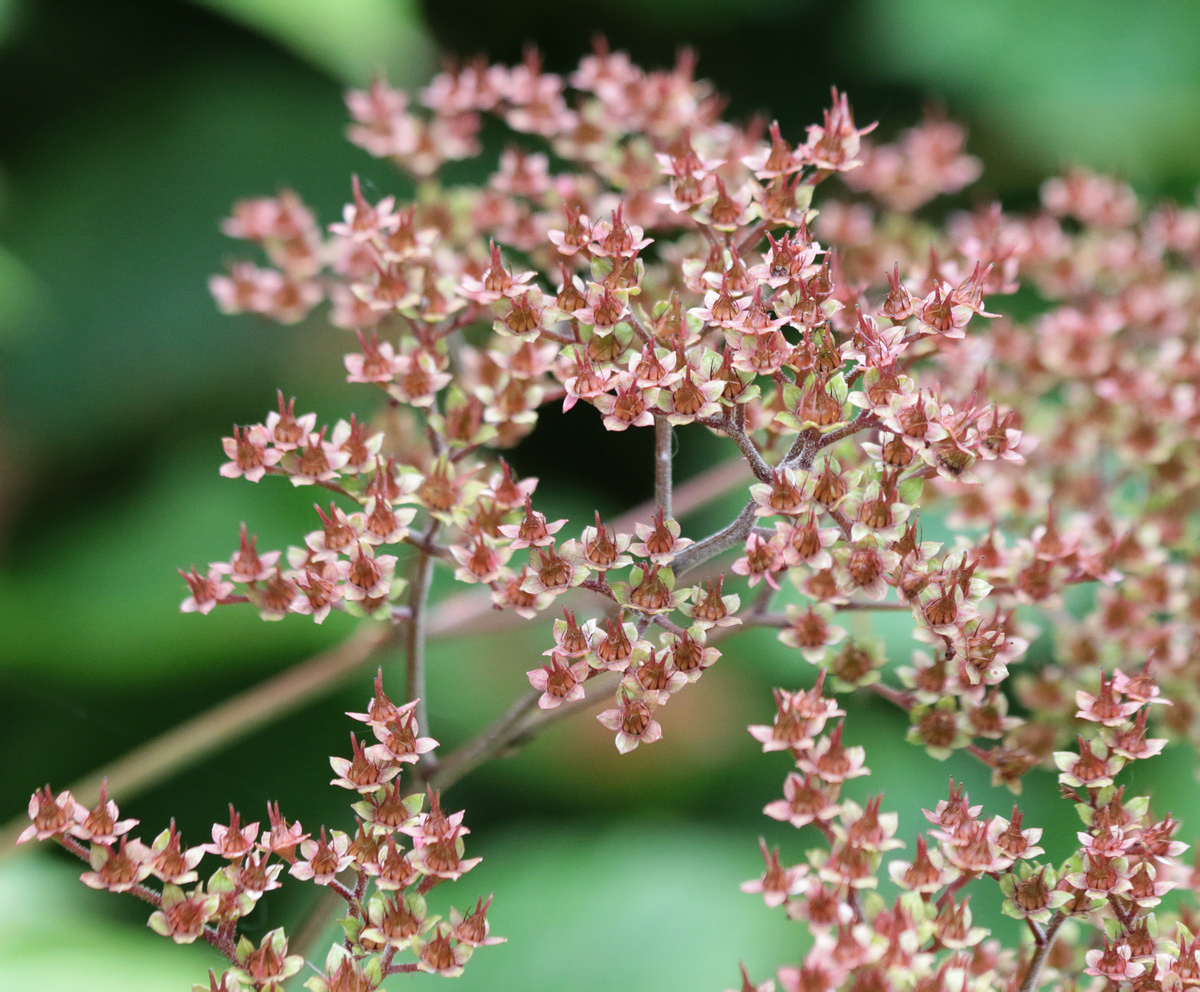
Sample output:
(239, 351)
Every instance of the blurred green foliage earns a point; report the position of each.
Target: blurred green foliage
(128, 129)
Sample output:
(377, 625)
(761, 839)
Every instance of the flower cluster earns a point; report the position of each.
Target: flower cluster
(634, 253)
(398, 851)
(1126, 862)
(668, 276)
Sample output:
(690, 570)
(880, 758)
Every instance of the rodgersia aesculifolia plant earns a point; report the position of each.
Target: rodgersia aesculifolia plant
(635, 253)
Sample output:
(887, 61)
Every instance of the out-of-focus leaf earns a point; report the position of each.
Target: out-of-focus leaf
(1083, 80)
(22, 298)
(102, 569)
(54, 934)
(352, 40)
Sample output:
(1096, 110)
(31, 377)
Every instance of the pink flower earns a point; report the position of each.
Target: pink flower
(321, 860)
(248, 453)
(559, 682)
(1113, 963)
(183, 915)
(234, 840)
(170, 862)
(441, 953)
(367, 770)
(51, 816)
(207, 591)
(777, 884)
(119, 870)
(99, 825)
(633, 722)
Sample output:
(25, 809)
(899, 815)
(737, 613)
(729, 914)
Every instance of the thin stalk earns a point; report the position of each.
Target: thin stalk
(1041, 952)
(416, 632)
(714, 544)
(522, 721)
(664, 438)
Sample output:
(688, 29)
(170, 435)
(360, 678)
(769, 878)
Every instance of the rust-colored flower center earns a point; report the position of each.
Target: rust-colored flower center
(325, 860)
(913, 420)
(852, 664)
(834, 762)
(608, 310)
(725, 210)
(819, 407)
(661, 540)
(560, 681)
(438, 954)
(615, 646)
(185, 917)
(496, 279)
(1032, 894)
(438, 491)
(441, 856)
(636, 719)
(395, 868)
(724, 307)
(806, 541)
(938, 315)
(364, 573)
(951, 457)
(652, 674)
(938, 728)
(263, 963)
(553, 570)
(417, 381)
(897, 453)
(810, 629)
(288, 430)
(362, 770)
(651, 593)
(1101, 876)
(628, 406)
(533, 527)
(99, 821)
(170, 861)
(278, 593)
(50, 816)
(1089, 767)
(601, 550)
(524, 317)
(712, 608)
(248, 455)
(313, 461)
(864, 566)
(823, 584)
(830, 488)
(785, 497)
(399, 921)
(391, 286)
(922, 871)
(687, 654)
(119, 869)
(876, 513)
(569, 298)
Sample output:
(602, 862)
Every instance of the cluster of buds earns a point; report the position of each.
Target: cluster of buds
(634, 253)
(399, 850)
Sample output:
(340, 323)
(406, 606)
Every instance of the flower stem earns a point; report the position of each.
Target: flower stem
(1041, 952)
(664, 437)
(415, 635)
